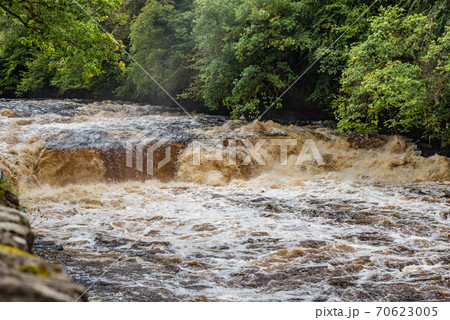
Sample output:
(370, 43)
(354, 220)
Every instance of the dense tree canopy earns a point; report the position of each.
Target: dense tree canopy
(397, 78)
(62, 46)
(161, 42)
(389, 71)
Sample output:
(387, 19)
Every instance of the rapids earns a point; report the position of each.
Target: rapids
(370, 224)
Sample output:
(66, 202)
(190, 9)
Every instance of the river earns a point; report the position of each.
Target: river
(370, 223)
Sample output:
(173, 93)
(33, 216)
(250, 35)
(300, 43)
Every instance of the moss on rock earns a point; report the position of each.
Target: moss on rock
(16, 251)
(37, 270)
(8, 196)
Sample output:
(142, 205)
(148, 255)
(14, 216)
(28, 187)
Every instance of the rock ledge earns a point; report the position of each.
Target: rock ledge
(24, 276)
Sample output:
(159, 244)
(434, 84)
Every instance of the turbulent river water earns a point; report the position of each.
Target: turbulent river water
(371, 223)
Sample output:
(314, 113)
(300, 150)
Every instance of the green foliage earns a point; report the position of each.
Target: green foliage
(437, 11)
(13, 55)
(243, 52)
(65, 47)
(397, 78)
(249, 52)
(160, 42)
(325, 21)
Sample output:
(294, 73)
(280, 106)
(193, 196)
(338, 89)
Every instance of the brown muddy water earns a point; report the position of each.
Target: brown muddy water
(371, 224)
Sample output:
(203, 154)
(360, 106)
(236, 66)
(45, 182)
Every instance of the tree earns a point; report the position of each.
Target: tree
(325, 22)
(249, 51)
(397, 79)
(14, 55)
(436, 11)
(161, 44)
(68, 47)
(243, 49)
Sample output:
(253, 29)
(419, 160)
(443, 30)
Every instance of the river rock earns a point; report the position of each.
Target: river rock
(8, 199)
(15, 229)
(24, 276)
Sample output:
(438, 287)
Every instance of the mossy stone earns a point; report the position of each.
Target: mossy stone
(36, 270)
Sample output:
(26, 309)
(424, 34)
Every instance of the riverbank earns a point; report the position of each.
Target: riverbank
(24, 276)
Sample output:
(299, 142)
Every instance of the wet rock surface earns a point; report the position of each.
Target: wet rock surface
(15, 230)
(24, 276)
(20, 108)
